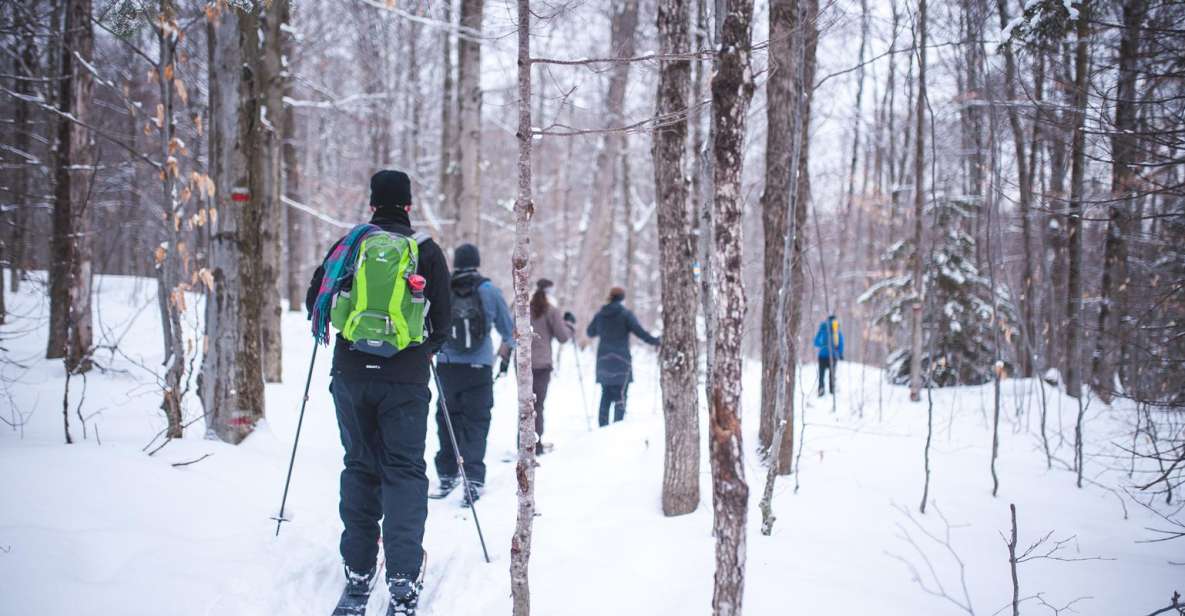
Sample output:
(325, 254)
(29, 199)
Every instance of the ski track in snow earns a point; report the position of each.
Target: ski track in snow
(85, 527)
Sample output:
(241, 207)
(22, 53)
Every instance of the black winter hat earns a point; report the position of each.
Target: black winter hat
(466, 256)
(390, 188)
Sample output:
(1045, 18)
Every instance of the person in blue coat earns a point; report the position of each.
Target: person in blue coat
(465, 365)
(829, 341)
(613, 324)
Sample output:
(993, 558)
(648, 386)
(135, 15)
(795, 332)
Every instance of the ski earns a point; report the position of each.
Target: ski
(354, 603)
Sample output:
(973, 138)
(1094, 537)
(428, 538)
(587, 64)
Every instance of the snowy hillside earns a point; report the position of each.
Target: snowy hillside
(100, 527)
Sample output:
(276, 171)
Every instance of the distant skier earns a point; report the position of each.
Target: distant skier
(548, 325)
(380, 392)
(465, 366)
(829, 341)
(614, 323)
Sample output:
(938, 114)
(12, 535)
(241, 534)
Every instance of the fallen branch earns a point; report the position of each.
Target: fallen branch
(180, 464)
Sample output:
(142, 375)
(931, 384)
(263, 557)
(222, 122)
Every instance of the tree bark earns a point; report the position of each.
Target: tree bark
(781, 113)
(1024, 180)
(1113, 301)
(298, 223)
(919, 201)
(1074, 215)
(524, 209)
(170, 255)
(595, 265)
(448, 197)
(270, 87)
(469, 128)
(70, 332)
(732, 91)
(231, 383)
(22, 140)
(678, 355)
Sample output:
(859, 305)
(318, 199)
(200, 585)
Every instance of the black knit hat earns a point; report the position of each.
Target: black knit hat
(390, 188)
(466, 256)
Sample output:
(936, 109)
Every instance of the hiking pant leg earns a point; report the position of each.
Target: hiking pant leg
(451, 386)
(476, 400)
(607, 398)
(402, 425)
(619, 404)
(540, 382)
(360, 504)
(831, 363)
(824, 362)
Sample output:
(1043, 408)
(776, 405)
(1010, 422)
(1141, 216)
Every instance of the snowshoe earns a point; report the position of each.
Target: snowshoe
(446, 487)
(356, 594)
(472, 495)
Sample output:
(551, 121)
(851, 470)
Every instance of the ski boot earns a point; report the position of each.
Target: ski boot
(356, 594)
(446, 487)
(405, 595)
(472, 495)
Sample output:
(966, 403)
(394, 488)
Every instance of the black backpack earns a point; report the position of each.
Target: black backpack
(468, 329)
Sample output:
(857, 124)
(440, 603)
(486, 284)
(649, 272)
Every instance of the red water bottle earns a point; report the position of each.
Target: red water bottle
(417, 283)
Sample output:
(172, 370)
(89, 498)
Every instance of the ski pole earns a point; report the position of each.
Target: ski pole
(300, 420)
(580, 378)
(460, 461)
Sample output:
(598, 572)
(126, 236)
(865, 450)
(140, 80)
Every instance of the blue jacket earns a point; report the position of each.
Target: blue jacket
(821, 341)
(497, 317)
(614, 323)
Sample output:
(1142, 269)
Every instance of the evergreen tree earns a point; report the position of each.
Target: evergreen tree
(958, 309)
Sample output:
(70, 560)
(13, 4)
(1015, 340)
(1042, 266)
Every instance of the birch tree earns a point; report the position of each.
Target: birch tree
(732, 91)
(524, 209)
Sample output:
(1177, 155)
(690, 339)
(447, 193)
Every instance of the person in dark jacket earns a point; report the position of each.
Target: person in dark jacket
(466, 369)
(547, 324)
(613, 324)
(382, 413)
(829, 341)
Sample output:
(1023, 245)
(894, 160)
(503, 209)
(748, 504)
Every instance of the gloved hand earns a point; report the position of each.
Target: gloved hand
(570, 318)
(657, 341)
(504, 366)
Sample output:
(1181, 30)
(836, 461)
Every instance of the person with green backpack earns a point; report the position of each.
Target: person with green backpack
(385, 289)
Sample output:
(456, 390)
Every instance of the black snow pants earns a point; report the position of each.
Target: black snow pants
(612, 395)
(827, 368)
(468, 390)
(383, 426)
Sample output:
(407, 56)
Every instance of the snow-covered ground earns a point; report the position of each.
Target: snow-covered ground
(100, 527)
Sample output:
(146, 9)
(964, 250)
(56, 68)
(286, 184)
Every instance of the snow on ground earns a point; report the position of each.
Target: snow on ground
(99, 527)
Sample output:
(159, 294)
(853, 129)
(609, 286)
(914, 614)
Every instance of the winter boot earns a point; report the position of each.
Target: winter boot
(446, 487)
(472, 495)
(356, 594)
(405, 594)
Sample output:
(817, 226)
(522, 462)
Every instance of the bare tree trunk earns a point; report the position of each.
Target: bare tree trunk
(231, 384)
(1123, 151)
(22, 140)
(678, 354)
(170, 256)
(857, 125)
(469, 127)
(448, 197)
(524, 209)
(297, 232)
(70, 271)
(732, 90)
(1028, 298)
(270, 91)
(594, 263)
(810, 39)
(919, 175)
(1074, 215)
(781, 113)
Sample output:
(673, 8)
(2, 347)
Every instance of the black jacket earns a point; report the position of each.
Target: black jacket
(613, 324)
(411, 364)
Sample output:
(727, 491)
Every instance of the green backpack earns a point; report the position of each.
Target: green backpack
(384, 311)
